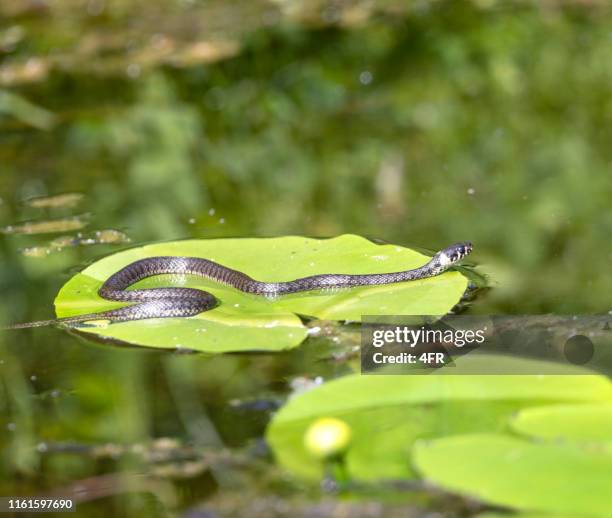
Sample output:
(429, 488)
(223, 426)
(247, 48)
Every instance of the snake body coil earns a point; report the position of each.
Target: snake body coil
(186, 302)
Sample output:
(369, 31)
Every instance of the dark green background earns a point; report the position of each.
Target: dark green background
(418, 123)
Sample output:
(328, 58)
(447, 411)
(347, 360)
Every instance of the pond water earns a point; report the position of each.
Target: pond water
(124, 123)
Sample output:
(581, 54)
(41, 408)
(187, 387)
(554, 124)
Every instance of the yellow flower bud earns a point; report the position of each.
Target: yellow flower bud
(327, 437)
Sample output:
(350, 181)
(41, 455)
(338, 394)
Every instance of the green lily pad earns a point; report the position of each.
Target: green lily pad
(507, 471)
(581, 423)
(247, 322)
(387, 414)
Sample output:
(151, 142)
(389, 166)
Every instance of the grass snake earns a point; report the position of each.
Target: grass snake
(186, 302)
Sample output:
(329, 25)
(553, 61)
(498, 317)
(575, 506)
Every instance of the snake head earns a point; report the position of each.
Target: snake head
(454, 253)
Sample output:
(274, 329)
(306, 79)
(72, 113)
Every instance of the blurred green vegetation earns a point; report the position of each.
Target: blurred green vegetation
(417, 123)
(450, 122)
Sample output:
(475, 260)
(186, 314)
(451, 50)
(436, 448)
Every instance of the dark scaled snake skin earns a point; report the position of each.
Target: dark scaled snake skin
(187, 302)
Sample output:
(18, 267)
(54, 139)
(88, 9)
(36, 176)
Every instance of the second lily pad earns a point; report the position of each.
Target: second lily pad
(577, 423)
(503, 470)
(387, 414)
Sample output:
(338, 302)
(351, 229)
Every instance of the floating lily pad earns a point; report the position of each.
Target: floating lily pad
(581, 423)
(247, 322)
(507, 471)
(387, 414)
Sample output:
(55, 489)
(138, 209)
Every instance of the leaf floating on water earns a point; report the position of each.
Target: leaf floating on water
(387, 414)
(493, 468)
(579, 423)
(100, 237)
(50, 226)
(66, 200)
(63, 241)
(244, 322)
(36, 251)
(110, 236)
